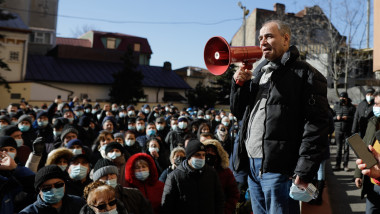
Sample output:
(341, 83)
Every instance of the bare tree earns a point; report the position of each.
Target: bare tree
(80, 30)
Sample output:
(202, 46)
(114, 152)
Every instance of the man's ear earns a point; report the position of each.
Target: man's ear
(286, 39)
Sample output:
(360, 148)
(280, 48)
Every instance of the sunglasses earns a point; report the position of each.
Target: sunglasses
(104, 206)
(49, 187)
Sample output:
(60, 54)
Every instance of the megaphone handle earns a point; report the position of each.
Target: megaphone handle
(247, 66)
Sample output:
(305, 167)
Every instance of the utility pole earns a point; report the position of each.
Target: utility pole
(368, 20)
(245, 13)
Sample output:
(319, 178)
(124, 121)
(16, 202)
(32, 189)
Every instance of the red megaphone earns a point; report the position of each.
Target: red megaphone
(218, 55)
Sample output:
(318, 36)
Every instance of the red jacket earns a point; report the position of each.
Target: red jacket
(151, 188)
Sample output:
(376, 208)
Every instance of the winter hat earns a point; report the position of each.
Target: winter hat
(7, 141)
(343, 94)
(193, 147)
(68, 129)
(175, 150)
(370, 90)
(88, 106)
(42, 113)
(57, 154)
(8, 130)
(200, 113)
(74, 142)
(104, 167)
(160, 120)
(47, 173)
(110, 118)
(6, 118)
(25, 118)
(114, 145)
(130, 108)
(60, 122)
(180, 119)
(84, 156)
(118, 135)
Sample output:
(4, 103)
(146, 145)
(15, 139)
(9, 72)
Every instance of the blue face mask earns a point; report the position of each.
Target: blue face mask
(160, 127)
(226, 124)
(376, 111)
(87, 111)
(151, 132)
(114, 211)
(113, 155)
(19, 142)
(302, 194)
(78, 172)
(43, 123)
(71, 120)
(23, 128)
(63, 167)
(182, 125)
(122, 115)
(132, 128)
(152, 149)
(54, 195)
(197, 163)
(140, 128)
(57, 133)
(130, 142)
(369, 98)
(77, 151)
(12, 154)
(142, 176)
(112, 182)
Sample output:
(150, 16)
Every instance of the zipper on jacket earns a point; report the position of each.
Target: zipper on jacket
(265, 121)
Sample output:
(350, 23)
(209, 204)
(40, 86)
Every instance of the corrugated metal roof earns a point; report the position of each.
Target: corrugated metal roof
(15, 23)
(52, 69)
(73, 42)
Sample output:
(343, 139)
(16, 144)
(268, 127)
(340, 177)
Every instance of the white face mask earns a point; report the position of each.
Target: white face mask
(130, 142)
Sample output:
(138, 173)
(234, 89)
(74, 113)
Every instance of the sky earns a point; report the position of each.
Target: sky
(176, 30)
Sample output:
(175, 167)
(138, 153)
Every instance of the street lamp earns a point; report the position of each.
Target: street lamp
(245, 13)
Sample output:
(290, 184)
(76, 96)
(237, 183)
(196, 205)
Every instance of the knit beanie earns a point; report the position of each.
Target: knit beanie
(47, 173)
(110, 118)
(104, 167)
(118, 135)
(6, 118)
(193, 147)
(114, 145)
(7, 141)
(370, 90)
(74, 142)
(68, 129)
(8, 130)
(42, 113)
(25, 117)
(182, 118)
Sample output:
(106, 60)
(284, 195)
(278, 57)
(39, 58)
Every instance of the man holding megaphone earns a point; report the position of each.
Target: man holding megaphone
(283, 108)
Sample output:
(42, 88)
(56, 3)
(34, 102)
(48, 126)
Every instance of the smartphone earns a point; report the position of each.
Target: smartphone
(361, 150)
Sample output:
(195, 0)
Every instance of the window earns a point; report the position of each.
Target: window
(15, 96)
(40, 37)
(111, 43)
(14, 56)
(137, 47)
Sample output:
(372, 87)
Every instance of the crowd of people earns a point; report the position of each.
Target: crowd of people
(80, 158)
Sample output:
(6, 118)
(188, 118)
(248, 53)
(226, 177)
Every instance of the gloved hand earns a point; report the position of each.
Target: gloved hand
(38, 146)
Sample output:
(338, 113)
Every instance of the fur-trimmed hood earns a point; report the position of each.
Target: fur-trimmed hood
(224, 161)
(130, 174)
(58, 153)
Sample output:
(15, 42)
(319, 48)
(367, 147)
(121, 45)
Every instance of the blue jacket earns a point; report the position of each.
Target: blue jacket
(70, 204)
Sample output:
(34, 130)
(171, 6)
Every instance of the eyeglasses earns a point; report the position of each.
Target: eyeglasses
(104, 206)
(49, 187)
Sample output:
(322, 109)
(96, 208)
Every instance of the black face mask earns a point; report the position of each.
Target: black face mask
(179, 160)
(211, 159)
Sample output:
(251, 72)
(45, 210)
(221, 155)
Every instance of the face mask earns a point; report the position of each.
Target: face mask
(11, 114)
(77, 151)
(114, 211)
(87, 111)
(182, 125)
(156, 115)
(12, 154)
(217, 120)
(112, 182)
(103, 148)
(114, 109)
(19, 142)
(71, 120)
(226, 123)
(376, 111)
(142, 176)
(211, 159)
(42, 123)
(79, 113)
(78, 172)
(23, 128)
(122, 115)
(152, 149)
(53, 196)
(151, 132)
(14, 123)
(2, 126)
(140, 127)
(93, 111)
(130, 142)
(57, 133)
(98, 116)
(85, 128)
(131, 113)
(132, 128)
(166, 109)
(113, 155)
(63, 167)
(178, 160)
(197, 163)
(231, 118)
(369, 98)
(160, 127)
(174, 127)
(303, 194)
(146, 111)
(208, 116)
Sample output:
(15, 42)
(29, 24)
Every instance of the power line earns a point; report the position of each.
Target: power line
(127, 22)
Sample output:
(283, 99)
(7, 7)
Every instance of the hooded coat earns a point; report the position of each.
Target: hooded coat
(227, 179)
(151, 188)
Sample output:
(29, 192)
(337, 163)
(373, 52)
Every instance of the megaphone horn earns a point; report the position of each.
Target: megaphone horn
(218, 55)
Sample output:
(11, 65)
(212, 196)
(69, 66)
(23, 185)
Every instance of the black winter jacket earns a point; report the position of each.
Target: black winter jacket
(344, 126)
(189, 191)
(296, 123)
(362, 115)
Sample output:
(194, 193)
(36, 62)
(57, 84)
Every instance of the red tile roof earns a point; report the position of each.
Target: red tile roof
(73, 42)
